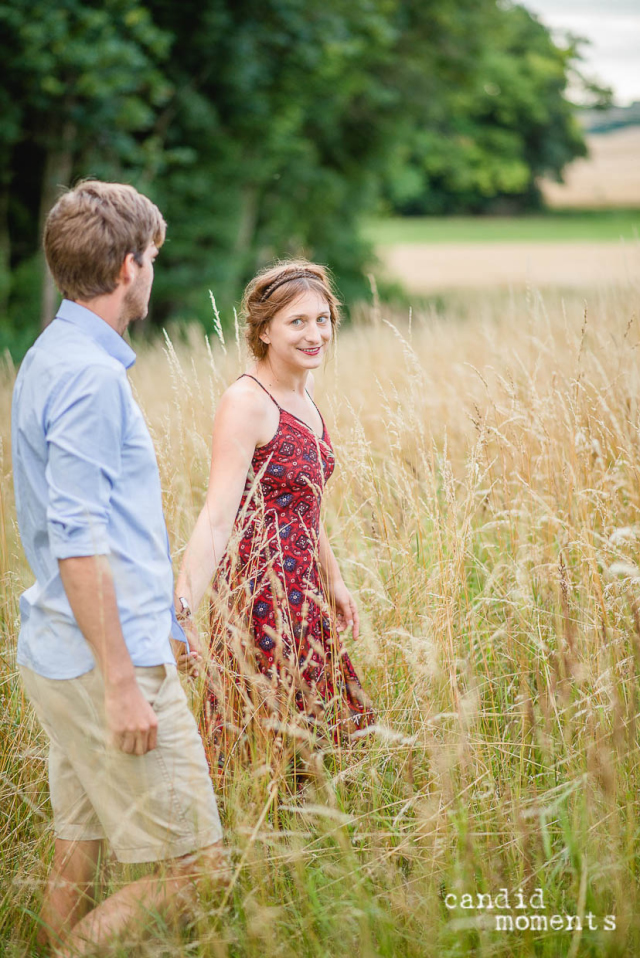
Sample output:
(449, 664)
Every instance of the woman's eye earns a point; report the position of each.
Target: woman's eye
(294, 322)
(323, 319)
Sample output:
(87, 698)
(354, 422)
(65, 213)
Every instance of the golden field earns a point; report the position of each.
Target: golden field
(433, 268)
(608, 177)
(486, 512)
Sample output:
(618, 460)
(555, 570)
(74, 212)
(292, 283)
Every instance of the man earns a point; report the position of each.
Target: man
(126, 762)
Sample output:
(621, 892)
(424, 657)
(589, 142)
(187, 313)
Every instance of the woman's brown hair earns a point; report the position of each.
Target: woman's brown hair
(277, 286)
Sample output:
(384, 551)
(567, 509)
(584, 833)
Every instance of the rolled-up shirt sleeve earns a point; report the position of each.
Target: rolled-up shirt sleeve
(84, 429)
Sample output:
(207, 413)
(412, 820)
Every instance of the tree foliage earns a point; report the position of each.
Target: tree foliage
(489, 135)
(268, 128)
(81, 86)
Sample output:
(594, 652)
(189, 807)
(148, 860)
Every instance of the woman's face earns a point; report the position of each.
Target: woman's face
(299, 333)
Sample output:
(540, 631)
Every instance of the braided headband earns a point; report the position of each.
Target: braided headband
(298, 274)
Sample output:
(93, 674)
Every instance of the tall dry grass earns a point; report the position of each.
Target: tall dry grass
(485, 510)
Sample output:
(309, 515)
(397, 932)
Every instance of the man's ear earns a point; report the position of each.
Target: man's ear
(128, 270)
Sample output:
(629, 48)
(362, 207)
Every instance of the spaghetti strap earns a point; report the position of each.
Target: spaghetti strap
(249, 376)
(317, 410)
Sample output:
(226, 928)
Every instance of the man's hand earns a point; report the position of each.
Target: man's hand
(88, 583)
(131, 720)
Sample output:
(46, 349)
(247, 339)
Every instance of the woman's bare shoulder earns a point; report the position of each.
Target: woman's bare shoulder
(246, 409)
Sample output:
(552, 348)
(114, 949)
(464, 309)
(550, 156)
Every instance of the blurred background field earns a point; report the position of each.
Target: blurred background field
(443, 268)
(587, 236)
(607, 177)
(550, 226)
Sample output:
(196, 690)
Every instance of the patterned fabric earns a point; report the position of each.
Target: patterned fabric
(273, 584)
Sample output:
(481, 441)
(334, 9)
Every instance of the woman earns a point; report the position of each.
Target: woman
(259, 532)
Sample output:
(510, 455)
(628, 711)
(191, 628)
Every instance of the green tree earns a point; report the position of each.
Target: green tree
(490, 135)
(81, 82)
(269, 128)
(278, 117)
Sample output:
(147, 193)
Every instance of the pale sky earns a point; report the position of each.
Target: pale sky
(613, 26)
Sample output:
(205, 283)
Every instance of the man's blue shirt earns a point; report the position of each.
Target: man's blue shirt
(86, 482)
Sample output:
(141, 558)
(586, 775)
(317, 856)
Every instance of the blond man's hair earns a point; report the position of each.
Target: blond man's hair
(89, 232)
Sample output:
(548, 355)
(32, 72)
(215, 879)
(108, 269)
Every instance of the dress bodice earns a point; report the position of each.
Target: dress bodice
(288, 476)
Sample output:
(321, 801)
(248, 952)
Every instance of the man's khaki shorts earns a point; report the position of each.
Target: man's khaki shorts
(150, 807)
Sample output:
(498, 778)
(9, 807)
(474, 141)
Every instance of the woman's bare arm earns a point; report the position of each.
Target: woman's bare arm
(328, 562)
(339, 595)
(342, 599)
(242, 421)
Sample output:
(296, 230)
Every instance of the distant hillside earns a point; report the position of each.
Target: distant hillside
(608, 177)
(616, 117)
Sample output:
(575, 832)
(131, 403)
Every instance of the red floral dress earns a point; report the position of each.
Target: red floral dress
(272, 586)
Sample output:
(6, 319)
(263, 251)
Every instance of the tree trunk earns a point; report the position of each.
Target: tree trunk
(248, 219)
(57, 173)
(5, 252)
(245, 237)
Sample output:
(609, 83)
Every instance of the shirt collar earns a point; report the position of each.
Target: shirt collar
(97, 329)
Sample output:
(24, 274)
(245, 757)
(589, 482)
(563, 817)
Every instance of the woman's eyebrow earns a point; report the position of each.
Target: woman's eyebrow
(298, 314)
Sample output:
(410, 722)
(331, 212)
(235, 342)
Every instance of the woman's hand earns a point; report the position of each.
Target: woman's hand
(188, 662)
(346, 610)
